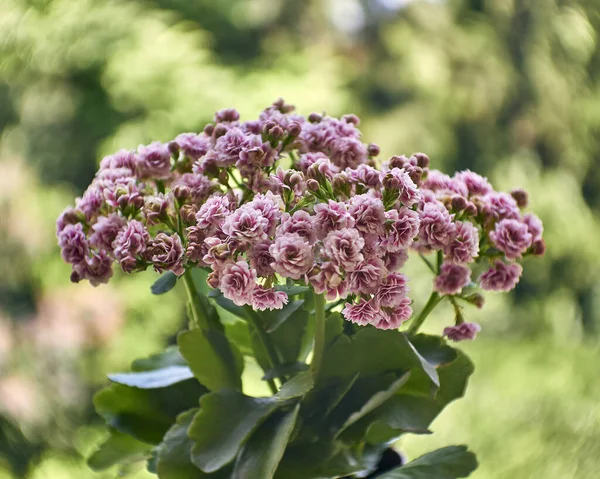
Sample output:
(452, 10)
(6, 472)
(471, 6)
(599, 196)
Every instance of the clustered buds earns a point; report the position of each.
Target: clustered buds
(224, 201)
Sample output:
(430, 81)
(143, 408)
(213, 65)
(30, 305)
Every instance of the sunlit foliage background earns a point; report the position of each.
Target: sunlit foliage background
(510, 88)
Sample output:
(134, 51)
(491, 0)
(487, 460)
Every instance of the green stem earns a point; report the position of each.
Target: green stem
(432, 302)
(268, 347)
(319, 350)
(198, 317)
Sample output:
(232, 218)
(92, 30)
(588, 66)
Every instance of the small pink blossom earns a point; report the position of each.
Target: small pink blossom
(436, 229)
(464, 248)
(362, 313)
(399, 179)
(166, 253)
(329, 280)
(154, 160)
(462, 331)
(213, 212)
(366, 277)
(238, 282)
(392, 290)
(392, 318)
(246, 224)
(300, 222)
(261, 259)
(534, 225)
(73, 243)
(395, 260)
(368, 214)
(106, 230)
(501, 206)
(97, 269)
(511, 237)
(344, 247)
(477, 185)
(501, 277)
(130, 243)
(452, 278)
(331, 216)
(292, 256)
(402, 227)
(263, 298)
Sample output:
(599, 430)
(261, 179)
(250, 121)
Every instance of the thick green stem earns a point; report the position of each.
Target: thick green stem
(268, 347)
(319, 350)
(432, 302)
(198, 317)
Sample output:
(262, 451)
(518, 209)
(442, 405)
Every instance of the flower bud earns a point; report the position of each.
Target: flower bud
(398, 161)
(219, 131)
(471, 209)
(373, 149)
(415, 173)
(209, 129)
(521, 197)
(458, 203)
(181, 192)
(268, 126)
(313, 185)
(137, 202)
(295, 178)
(224, 177)
(351, 118)
(173, 148)
(315, 118)
(188, 213)
(539, 247)
(276, 133)
(213, 280)
(227, 114)
(422, 160)
(294, 129)
(476, 299)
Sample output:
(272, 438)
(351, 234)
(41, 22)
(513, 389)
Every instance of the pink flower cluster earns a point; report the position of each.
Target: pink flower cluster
(334, 218)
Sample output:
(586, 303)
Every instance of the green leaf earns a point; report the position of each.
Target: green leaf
(277, 317)
(159, 378)
(293, 290)
(170, 357)
(226, 419)
(434, 349)
(447, 463)
(146, 414)
(260, 456)
(199, 277)
(238, 332)
(227, 304)
(288, 369)
(298, 386)
(215, 362)
(166, 282)
(119, 448)
(288, 336)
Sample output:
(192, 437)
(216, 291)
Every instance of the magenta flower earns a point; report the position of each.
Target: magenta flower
(392, 290)
(344, 247)
(192, 145)
(362, 313)
(105, 232)
(329, 280)
(501, 277)
(402, 227)
(436, 229)
(238, 282)
(534, 225)
(154, 160)
(366, 276)
(263, 298)
(452, 278)
(399, 179)
(462, 331)
(392, 318)
(395, 260)
(261, 259)
(97, 269)
(130, 242)
(511, 237)
(331, 216)
(464, 248)
(73, 243)
(477, 185)
(166, 253)
(292, 256)
(213, 212)
(246, 224)
(368, 214)
(301, 222)
(501, 206)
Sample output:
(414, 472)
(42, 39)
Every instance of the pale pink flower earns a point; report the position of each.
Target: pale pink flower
(452, 278)
(436, 229)
(366, 276)
(362, 313)
(511, 237)
(329, 280)
(263, 298)
(392, 318)
(331, 216)
(292, 256)
(501, 277)
(237, 282)
(368, 214)
(392, 290)
(344, 247)
(464, 248)
(462, 331)
(402, 227)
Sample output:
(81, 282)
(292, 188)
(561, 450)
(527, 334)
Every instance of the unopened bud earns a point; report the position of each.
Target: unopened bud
(373, 149)
(476, 299)
(313, 185)
(173, 147)
(422, 160)
(268, 125)
(294, 129)
(398, 161)
(227, 114)
(315, 118)
(351, 118)
(213, 280)
(539, 247)
(458, 203)
(188, 213)
(209, 129)
(296, 178)
(219, 131)
(223, 177)
(521, 197)
(471, 209)
(276, 133)
(181, 192)
(415, 173)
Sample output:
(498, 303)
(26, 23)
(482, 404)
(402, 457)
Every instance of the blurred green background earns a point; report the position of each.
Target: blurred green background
(509, 88)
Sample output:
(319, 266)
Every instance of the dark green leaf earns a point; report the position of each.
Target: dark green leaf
(293, 290)
(199, 277)
(334, 326)
(159, 378)
(117, 449)
(298, 386)
(170, 357)
(165, 283)
(433, 349)
(226, 419)
(288, 336)
(288, 369)
(239, 334)
(447, 463)
(277, 317)
(227, 304)
(215, 362)
(260, 456)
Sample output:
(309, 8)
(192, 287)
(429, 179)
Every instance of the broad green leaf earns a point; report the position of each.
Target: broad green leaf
(260, 456)
(227, 304)
(166, 282)
(238, 333)
(288, 369)
(334, 326)
(298, 386)
(146, 414)
(117, 449)
(173, 457)
(199, 277)
(434, 349)
(159, 378)
(288, 336)
(274, 319)
(225, 420)
(215, 362)
(451, 462)
(293, 290)
(170, 357)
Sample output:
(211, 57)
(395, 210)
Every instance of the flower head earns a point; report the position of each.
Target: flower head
(462, 331)
(501, 277)
(452, 278)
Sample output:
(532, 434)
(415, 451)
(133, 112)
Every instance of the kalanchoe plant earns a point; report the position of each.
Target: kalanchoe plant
(298, 232)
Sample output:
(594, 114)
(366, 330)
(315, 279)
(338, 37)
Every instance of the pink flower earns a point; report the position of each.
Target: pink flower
(73, 243)
(213, 212)
(217, 252)
(255, 155)
(166, 253)
(106, 230)
(229, 146)
(121, 159)
(343, 248)
(238, 282)
(261, 259)
(131, 242)
(368, 214)
(402, 227)
(500, 206)
(155, 208)
(97, 269)
(399, 179)
(361, 313)
(246, 224)
(328, 279)
(462, 331)
(392, 290)
(443, 184)
(91, 202)
(348, 153)
(271, 207)
(365, 175)
(436, 229)
(501, 277)
(477, 185)
(301, 222)
(263, 298)
(292, 255)
(154, 160)
(331, 216)
(395, 260)
(452, 278)
(366, 277)
(534, 225)
(200, 186)
(465, 246)
(192, 145)
(392, 318)
(511, 237)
